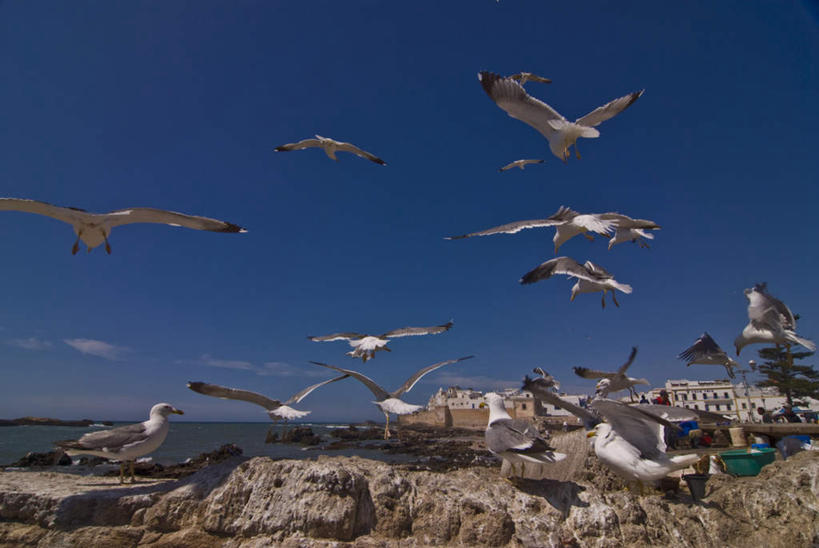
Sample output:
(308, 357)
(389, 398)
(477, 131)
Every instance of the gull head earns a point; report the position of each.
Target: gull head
(566, 135)
(164, 409)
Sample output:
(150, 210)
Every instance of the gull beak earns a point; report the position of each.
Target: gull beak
(177, 411)
(591, 433)
(481, 405)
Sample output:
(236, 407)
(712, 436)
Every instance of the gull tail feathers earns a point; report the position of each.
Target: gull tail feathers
(793, 337)
(684, 461)
(625, 288)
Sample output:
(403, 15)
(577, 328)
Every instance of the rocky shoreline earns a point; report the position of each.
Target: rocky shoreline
(45, 421)
(245, 502)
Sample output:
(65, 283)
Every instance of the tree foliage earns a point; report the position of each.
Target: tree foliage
(793, 380)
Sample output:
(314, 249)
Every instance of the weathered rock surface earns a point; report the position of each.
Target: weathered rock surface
(333, 500)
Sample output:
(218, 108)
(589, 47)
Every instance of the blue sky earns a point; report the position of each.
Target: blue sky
(178, 105)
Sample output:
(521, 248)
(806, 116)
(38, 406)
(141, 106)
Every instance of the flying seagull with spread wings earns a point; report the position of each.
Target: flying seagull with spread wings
(390, 402)
(94, 228)
(705, 350)
(612, 381)
(365, 346)
(590, 277)
(567, 222)
(771, 321)
(275, 409)
(630, 230)
(523, 77)
(510, 96)
(330, 147)
(520, 163)
(515, 440)
(125, 443)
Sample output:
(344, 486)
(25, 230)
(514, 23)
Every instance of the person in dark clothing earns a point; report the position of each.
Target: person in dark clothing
(789, 415)
(643, 399)
(662, 399)
(766, 415)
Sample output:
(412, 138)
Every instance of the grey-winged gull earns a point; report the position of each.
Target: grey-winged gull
(612, 381)
(390, 402)
(515, 440)
(275, 409)
(520, 163)
(365, 346)
(94, 228)
(330, 147)
(510, 96)
(523, 77)
(630, 230)
(591, 278)
(125, 443)
(770, 321)
(706, 351)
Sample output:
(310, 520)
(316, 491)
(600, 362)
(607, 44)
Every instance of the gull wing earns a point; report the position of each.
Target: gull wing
(161, 216)
(703, 347)
(304, 143)
(407, 386)
(609, 110)
(593, 223)
(768, 302)
(511, 97)
(413, 331)
(625, 366)
(597, 272)
(677, 414)
(337, 337)
(68, 215)
(587, 373)
(541, 390)
(234, 394)
(548, 380)
(379, 393)
(349, 147)
(560, 265)
(529, 77)
(515, 436)
(510, 228)
(298, 396)
(108, 440)
(624, 221)
(642, 430)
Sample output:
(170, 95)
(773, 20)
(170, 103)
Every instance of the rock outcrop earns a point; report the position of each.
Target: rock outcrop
(259, 502)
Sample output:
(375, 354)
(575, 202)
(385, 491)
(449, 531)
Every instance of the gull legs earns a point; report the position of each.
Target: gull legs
(387, 427)
(76, 246)
(122, 472)
(107, 245)
(576, 151)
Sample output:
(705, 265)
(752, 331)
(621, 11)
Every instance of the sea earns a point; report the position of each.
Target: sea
(190, 439)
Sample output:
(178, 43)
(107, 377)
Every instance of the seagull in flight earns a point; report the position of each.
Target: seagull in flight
(612, 381)
(390, 402)
(771, 321)
(515, 440)
(275, 409)
(330, 147)
(630, 230)
(95, 228)
(705, 350)
(510, 96)
(590, 277)
(568, 223)
(523, 77)
(519, 163)
(365, 346)
(125, 443)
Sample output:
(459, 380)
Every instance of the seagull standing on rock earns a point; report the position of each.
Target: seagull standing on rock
(510, 96)
(125, 443)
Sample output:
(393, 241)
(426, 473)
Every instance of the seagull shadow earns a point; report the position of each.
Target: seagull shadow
(561, 495)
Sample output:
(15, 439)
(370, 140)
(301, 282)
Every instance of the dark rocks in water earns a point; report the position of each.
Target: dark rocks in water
(302, 435)
(352, 433)
(52, 458)
(91, 460)
(156, 470)
(45, 421)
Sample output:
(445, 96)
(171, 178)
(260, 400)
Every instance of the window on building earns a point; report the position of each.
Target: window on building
(473, 406)
(707, 407)
(696, 406)
(705, 396)
(694, 396)
(726, 395)
(715, 395)
(728, 406)
(744, 405)
(685, 397)
(717, 406)
(523, 406)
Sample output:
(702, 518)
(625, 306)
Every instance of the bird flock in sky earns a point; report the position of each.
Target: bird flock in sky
(628, 438)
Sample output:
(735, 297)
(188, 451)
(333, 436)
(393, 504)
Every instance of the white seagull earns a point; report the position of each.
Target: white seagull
(590, 277)
(523, 77)
(275, 409)
(632, 442)
(365, 346)
(520, 163)
(390, 402)
(567, 222)
(94, 228)
(771, 321)
(612, 381)
(706, 351)
(515, 440)
(125, 443)
(561, 134)
(330, 147)
(630, 230)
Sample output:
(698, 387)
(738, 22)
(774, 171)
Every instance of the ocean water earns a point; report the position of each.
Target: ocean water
(189, 439)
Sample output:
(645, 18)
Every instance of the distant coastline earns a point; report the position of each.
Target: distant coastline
(45, 421)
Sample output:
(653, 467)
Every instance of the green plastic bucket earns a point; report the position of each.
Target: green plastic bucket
(741, 462)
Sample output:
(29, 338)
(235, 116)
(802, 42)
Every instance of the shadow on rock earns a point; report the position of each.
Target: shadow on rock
(561, 495)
